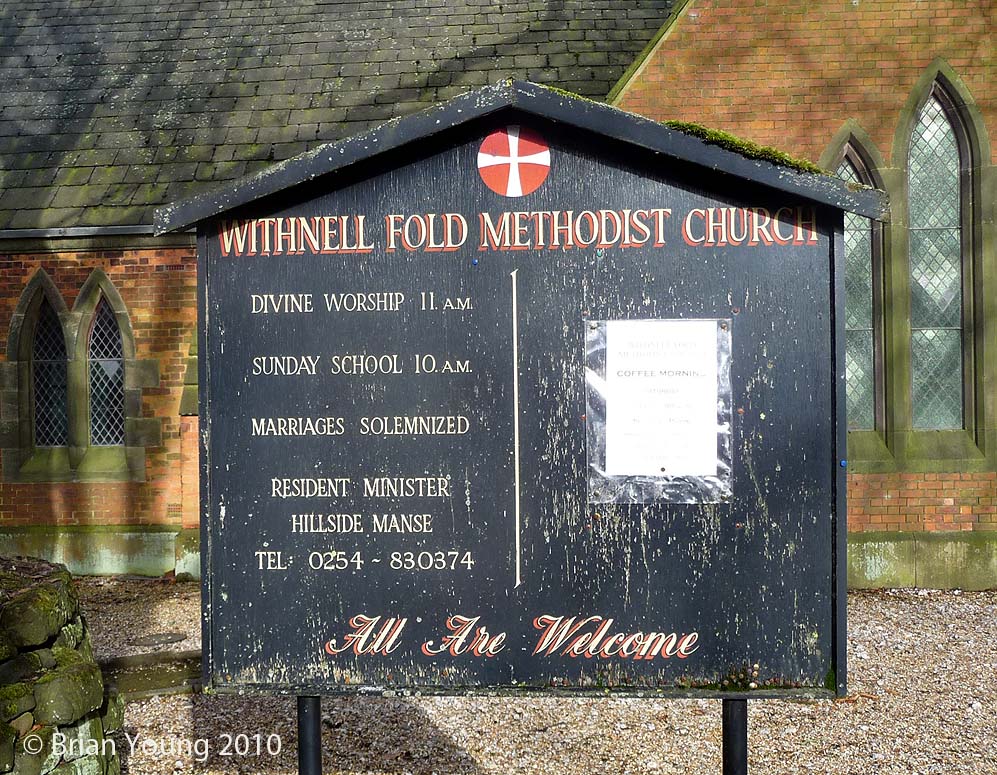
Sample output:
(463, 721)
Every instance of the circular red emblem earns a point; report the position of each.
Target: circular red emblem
(513, 161)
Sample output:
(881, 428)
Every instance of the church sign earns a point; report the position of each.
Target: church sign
(523, 393)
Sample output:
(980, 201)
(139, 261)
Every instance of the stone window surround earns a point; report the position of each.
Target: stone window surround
(78, 461)
(855, 154)
(894, 445)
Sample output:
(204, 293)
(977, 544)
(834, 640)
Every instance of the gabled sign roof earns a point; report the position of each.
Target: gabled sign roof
(625, 129)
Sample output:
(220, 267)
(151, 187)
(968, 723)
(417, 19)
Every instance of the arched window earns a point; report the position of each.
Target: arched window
(106, 376)
(76, 416)
(937, 167)
(863, 346)
(48, 377)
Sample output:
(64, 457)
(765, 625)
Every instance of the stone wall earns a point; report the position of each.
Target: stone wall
(54, 712)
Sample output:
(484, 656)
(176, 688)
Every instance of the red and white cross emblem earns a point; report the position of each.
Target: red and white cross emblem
(513, 161)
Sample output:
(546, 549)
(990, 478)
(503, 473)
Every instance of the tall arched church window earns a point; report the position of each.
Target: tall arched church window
(936, 170)
(48, 377)
(106, 379)
(862, 305)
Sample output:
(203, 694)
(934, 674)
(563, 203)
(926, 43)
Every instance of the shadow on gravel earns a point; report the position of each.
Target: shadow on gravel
(389, 735)
(224, 734)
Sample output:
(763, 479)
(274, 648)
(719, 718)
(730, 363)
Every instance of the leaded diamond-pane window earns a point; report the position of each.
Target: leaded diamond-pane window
(107, 379)
(934, 170)
(860, 363)
(48, 369)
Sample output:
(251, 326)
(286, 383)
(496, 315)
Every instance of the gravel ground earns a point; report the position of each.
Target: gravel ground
(923, 684)
(123, 613)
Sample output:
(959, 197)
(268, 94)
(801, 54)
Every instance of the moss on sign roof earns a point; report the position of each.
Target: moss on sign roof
(744, 147)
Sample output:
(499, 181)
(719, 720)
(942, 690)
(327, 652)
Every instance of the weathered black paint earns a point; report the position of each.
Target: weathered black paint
(760, 578)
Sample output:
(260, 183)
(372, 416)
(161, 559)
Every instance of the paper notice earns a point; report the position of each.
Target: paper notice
(661, 398)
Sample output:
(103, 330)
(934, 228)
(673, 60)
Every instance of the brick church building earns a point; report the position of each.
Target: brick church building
(898, 95)
(113, 110)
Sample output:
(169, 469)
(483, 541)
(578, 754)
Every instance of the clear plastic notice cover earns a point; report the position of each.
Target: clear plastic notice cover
(658, 411)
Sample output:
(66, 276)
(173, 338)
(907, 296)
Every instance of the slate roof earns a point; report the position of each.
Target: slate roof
(113, 107)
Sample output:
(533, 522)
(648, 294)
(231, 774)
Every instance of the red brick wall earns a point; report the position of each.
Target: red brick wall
(190, 472)
(922, 501)
(790, 74)
(159, 288)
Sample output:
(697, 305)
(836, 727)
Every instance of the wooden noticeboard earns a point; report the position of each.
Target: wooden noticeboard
(523, 394)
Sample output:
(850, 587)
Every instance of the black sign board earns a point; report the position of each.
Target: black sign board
(523, 393)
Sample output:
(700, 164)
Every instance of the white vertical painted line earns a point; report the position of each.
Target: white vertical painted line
(515, 421)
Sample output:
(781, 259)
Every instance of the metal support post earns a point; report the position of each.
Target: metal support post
(735, 737)
(309, 736)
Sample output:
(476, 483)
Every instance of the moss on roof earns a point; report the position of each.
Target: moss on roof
(744, 147)
(203, 102)
(720, 138)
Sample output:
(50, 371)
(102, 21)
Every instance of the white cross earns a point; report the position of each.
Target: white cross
(515, 186)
